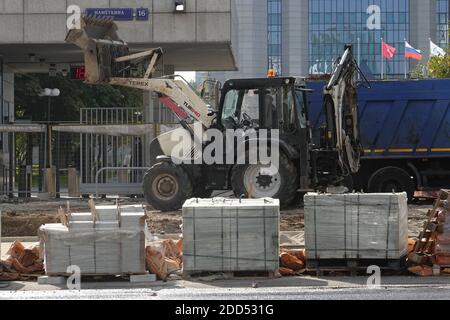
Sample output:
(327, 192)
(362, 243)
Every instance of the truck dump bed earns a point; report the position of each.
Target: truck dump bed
(399, 119)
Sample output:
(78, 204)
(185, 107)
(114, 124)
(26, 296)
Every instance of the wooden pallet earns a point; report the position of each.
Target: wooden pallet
(231, 274)
(353, 266)
(96, 275)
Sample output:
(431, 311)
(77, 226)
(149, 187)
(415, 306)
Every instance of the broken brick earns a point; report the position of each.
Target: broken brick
(423, 271)
(286, 272)
(291, 262)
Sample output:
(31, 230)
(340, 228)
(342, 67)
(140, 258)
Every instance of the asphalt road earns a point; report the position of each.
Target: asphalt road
(434, 292)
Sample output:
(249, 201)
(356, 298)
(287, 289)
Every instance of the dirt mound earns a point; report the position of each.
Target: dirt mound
(24, 224)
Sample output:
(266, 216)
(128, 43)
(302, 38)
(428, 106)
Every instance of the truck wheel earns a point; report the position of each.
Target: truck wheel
(167, 186)
(247, 180)
(392, 178)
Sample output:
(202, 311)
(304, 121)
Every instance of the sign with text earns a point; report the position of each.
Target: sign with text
(142, 14)
(119, 14)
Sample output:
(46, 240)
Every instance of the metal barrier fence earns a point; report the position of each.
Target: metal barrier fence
(110, 161)
(123, 174)
(99, 151)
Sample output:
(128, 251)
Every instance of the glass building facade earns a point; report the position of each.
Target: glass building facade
(442, 19)
(301, 37)
(333, 23)
(274, 31)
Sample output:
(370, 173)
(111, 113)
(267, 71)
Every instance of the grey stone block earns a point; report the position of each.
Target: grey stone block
(107, 225)
(356, 226)
(46, 280)
(81, 225)
(145, 278)
(86, 216)
(132, 220)
(228, 235)
(107, 213)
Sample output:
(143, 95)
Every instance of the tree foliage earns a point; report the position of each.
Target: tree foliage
(418, 72)
(65, 108)
(74, 96)
(439, 66)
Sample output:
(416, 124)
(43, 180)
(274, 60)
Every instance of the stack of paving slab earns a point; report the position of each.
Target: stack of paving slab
(110, 240)
(230, 235)
(356, 226)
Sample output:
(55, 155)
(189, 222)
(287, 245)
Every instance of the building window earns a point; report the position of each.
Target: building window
(333, 23)
(442, 20)
(274, 23)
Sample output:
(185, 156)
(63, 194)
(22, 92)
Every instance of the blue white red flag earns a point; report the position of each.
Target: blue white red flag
(412, 53)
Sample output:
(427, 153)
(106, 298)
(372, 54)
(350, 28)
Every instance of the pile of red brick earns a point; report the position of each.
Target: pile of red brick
(292, 262)
(431, 253)
(21, 262)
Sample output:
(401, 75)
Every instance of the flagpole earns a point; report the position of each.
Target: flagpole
(406, 61)
(359, 57)
(429, 56)
(382, 60)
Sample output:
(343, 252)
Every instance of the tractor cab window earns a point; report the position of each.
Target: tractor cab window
(301, 109)
(264, 108)
(241, 107)
(279, 109)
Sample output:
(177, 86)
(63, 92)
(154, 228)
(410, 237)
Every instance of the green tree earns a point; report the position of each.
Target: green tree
(439, 66)
(418, 72)
(74, 96)
(65, 108)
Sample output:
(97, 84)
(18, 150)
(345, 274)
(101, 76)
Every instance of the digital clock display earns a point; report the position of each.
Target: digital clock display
(78, 73)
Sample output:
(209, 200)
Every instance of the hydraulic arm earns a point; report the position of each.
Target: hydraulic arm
(341, 107)
(108, 61)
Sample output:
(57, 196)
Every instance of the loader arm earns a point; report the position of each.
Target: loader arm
(342, 114)
(108, 61)
(180, 93)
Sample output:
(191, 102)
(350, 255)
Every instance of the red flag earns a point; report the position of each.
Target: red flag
(388, 51)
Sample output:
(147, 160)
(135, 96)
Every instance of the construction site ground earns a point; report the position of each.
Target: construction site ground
(304, 287)
(22, 218)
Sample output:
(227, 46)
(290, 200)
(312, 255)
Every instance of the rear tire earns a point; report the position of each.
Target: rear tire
(388, 179)
(167, 186)
(282, 186)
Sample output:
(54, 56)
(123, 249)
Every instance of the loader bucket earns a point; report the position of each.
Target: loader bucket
(101, 44)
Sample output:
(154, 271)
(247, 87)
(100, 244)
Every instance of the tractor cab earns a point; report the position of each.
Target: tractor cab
(265, 103)
(278, 103)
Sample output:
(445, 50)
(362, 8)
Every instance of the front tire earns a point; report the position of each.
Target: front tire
(247, 180)
(167, 186)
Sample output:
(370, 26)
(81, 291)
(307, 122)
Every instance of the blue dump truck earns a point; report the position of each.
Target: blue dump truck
(405, 132)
